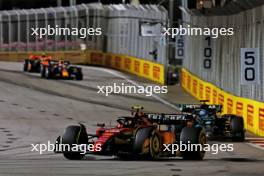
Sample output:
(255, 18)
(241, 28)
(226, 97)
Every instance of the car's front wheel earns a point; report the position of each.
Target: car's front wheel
(79, 76)
(193, 136)
(72, 137)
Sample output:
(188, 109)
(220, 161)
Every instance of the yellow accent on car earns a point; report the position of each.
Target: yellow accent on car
(65, 73)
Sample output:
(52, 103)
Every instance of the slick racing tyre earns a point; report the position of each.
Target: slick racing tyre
(237, 128)
(42, 72)
(147, 143)
(77, 72)
(192, 135)
(155, 145)
(37, 67)
(25, 66)
(48, 73)
(30, 66)
(79, 76)
(74, 135)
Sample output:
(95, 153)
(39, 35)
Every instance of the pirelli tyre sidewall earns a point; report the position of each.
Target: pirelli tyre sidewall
(42, 71)
(193, 135)
(29, 66)
(48, 73)
(79, 74)
(147, 143)
(76, 72)
(237, 128)
(25, 66)
(155, 145)
(74, 135)
(37, 66)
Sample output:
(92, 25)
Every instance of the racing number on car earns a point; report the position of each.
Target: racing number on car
(207, 53)
(249, 66)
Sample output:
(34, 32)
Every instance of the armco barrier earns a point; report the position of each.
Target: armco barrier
(143, 68)
(252, 111)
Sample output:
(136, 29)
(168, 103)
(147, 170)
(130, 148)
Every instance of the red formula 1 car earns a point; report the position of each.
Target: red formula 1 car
(33, 63)
(141, 136)
(60, 70)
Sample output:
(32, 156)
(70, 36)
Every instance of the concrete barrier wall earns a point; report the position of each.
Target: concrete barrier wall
(225, 71)
(252, 111)
(140, 67)
(121, 29)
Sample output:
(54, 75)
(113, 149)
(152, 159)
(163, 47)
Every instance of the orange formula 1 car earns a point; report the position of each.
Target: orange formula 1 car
(60, 70)
(141, 136)
(33, 63)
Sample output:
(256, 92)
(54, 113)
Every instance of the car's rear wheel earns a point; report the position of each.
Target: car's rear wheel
(79, 76)
(74, 135)
(147, 143)
(30, 66)
(237, 129)
(155, 145)
(25, 66)
(190, 136)
(42, 71)
(48, 74)
(37, 66)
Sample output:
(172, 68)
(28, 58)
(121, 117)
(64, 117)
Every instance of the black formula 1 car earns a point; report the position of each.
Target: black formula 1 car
(216, 125)
(60, 70)
(140, 136)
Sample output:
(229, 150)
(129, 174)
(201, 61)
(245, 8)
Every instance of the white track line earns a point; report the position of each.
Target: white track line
(120, 75)
(255, 146)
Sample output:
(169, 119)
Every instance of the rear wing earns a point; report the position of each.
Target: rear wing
(168, 119)
(192, 107)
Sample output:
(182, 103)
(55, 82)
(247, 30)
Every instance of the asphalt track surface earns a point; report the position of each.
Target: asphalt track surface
(35, 110)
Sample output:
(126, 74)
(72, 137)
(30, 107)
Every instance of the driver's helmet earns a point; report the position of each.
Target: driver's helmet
(202, 112)
(137, 111)
(61, 62)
